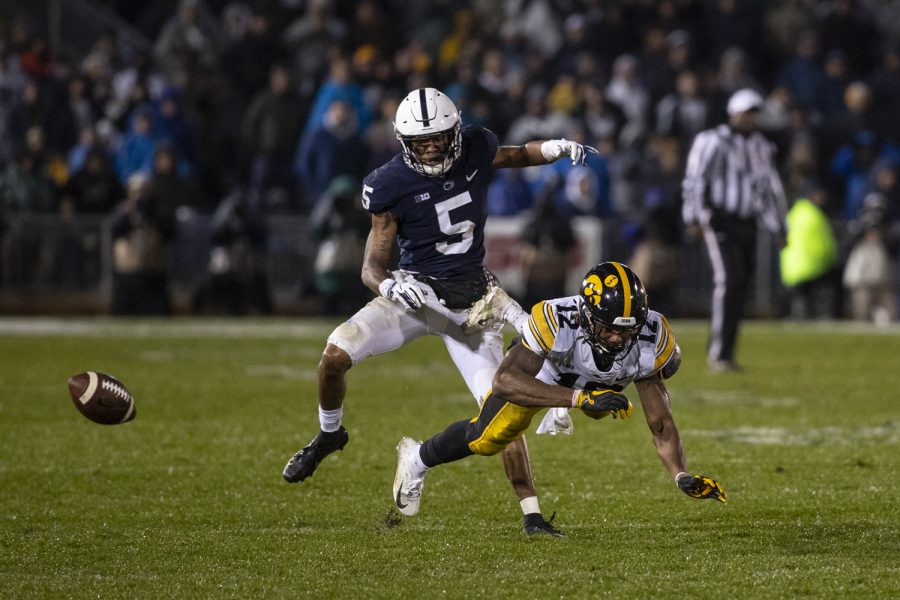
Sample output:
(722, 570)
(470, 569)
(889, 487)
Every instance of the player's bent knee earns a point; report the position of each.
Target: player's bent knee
(334, 361)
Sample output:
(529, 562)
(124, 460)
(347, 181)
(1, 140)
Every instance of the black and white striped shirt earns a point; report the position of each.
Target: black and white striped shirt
(735, 174)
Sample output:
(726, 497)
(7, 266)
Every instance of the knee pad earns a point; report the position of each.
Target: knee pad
(348, 337)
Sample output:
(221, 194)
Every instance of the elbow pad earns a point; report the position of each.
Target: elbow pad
(674, 362)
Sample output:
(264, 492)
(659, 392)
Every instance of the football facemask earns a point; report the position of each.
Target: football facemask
(607, 340)
(428, 127)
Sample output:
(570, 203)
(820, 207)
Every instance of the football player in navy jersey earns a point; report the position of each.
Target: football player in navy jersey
(576, 352)
(431, 199)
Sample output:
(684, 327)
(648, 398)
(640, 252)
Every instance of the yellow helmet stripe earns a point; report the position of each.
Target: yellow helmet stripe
(626, 288)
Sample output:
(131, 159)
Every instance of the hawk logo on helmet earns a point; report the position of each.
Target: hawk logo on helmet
(618, 304)
(592, 289)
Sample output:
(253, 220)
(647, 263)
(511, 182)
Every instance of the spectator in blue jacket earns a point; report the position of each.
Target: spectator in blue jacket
(135, 153)
(334, 148)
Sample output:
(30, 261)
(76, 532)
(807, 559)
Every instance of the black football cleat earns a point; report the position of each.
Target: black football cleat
(304, 463)
(536, 525)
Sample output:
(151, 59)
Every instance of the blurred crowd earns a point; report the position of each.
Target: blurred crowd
(259, 106)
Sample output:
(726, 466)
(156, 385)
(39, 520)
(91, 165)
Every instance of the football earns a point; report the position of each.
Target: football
(101, 398)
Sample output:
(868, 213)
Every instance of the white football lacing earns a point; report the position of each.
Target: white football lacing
(115, 388)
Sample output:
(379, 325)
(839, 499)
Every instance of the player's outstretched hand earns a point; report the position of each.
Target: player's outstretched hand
(600, 403)
(699, 486)
(405, 293)
(554, 149)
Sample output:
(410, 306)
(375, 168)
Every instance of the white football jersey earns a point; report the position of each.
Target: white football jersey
(553, 334)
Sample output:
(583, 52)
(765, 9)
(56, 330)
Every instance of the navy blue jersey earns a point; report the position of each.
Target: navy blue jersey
(440, 221)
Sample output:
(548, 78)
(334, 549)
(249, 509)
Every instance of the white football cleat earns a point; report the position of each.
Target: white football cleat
(556, 421)
(407, 485)
(495, 307)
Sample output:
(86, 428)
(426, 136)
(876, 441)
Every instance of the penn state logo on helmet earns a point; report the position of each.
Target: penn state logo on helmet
(612, 297)
(428, 126)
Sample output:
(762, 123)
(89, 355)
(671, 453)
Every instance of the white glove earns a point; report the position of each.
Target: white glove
(554, 149)
(405, 293)
(556, 421)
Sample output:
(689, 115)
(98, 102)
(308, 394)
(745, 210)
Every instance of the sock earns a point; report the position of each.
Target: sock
(447, 446)
(517, 319)
(419, 468)
(330, 420)
(530, 505)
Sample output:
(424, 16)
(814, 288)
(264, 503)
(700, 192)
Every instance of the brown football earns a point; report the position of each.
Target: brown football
(101, 398)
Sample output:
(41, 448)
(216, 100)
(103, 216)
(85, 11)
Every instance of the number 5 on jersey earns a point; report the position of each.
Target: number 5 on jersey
(465, 228)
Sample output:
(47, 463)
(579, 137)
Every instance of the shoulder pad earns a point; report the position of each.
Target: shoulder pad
(540, 333)
(665, 344)
(671, 367)
(376, 196)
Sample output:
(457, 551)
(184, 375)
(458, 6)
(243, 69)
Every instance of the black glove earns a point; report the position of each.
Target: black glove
(600, 403)
(699, 486)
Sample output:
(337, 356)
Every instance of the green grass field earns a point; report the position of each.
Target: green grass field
(187, 501)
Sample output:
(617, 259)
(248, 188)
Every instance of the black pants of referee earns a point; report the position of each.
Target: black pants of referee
(731, 246)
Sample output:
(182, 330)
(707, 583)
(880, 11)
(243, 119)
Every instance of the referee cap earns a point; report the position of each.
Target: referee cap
(743, 100)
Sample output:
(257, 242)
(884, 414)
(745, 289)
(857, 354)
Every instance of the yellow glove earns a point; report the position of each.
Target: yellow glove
(600, 403)
(700, 486)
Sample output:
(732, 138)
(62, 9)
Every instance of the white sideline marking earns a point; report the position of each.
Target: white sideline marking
(732, 397)
(169, 328)
(888, 433)
(282, 371)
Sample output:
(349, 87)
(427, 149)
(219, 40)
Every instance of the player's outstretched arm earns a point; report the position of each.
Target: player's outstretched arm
(540, 152)
(655, 402)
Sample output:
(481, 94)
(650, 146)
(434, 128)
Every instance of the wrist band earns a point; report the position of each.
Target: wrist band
(575, 393)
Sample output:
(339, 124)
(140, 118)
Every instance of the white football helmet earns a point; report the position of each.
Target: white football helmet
(427, 114)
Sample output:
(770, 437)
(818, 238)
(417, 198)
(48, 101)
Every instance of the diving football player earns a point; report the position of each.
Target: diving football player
(578, 352)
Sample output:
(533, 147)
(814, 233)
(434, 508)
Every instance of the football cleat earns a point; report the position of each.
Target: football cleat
(495, 307)
(407, 485)
(535, 524)
(303, 464)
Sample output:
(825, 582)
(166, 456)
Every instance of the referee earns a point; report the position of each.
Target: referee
(730, 182)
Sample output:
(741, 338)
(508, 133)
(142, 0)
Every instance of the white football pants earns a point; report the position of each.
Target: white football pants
(382, 325)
